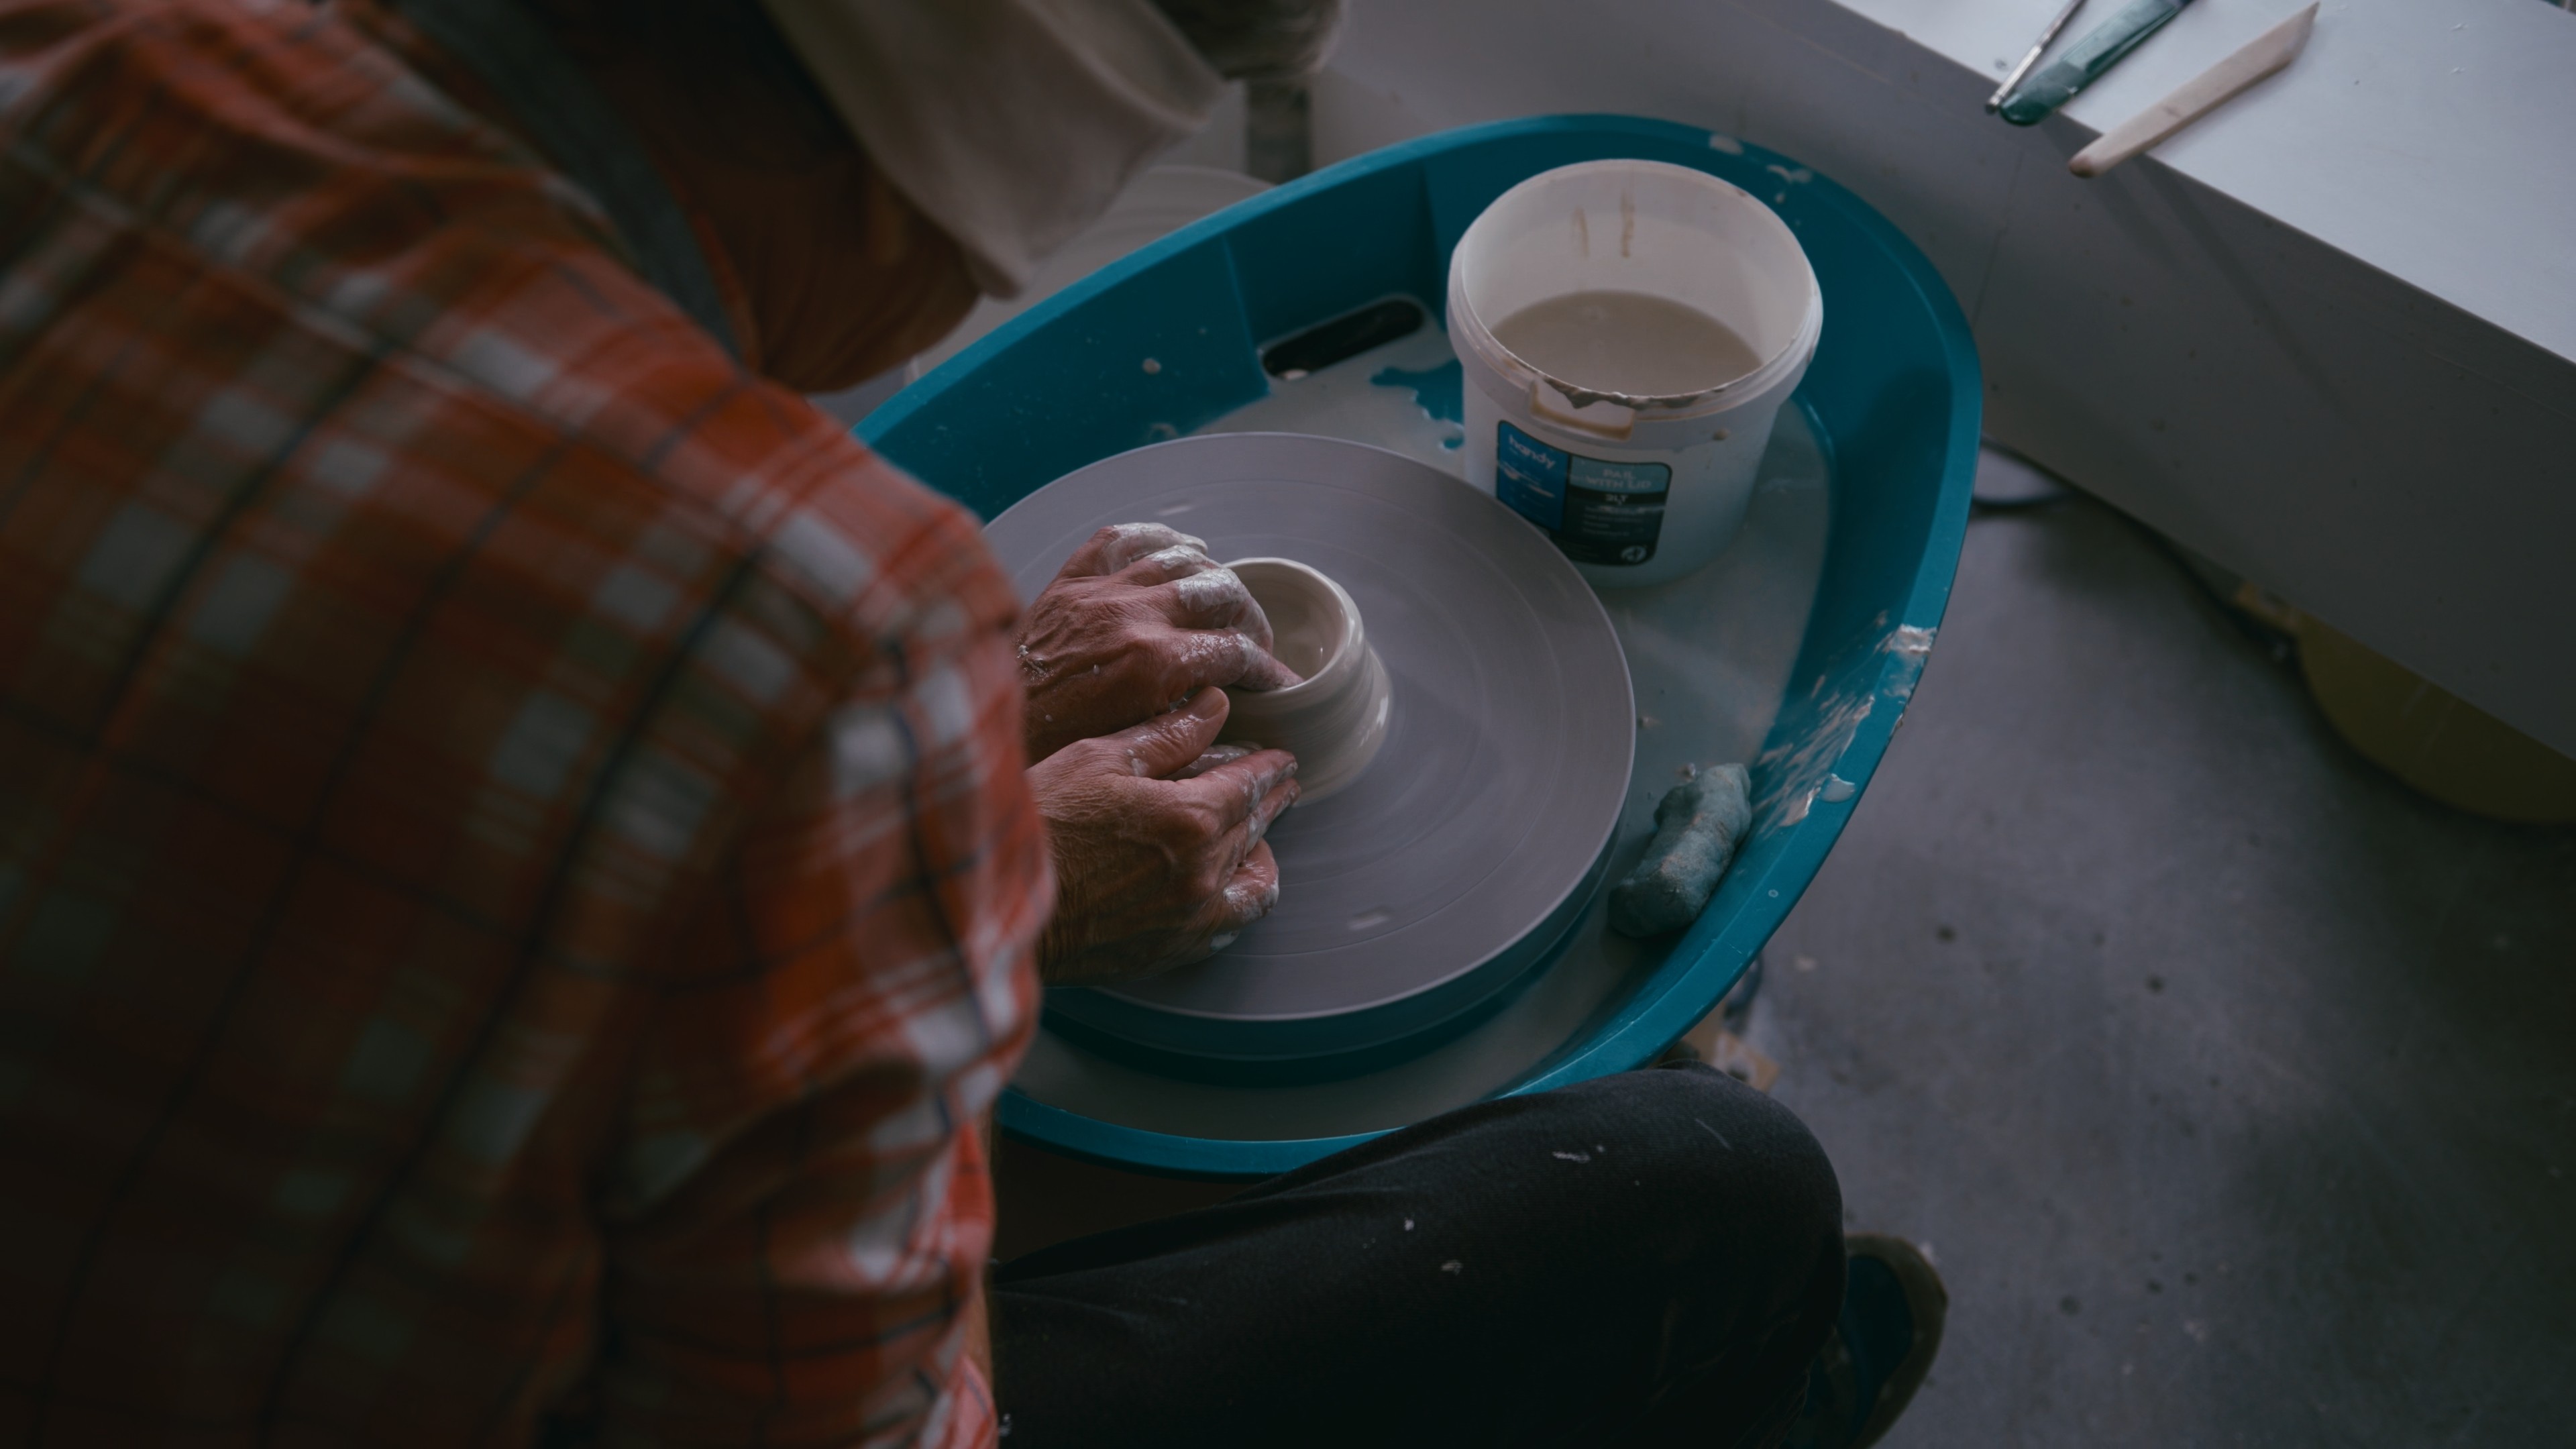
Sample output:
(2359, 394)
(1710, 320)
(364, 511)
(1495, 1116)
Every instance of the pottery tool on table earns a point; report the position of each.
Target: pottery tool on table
(2030, 57)
(2087, 61)
(2262, 56)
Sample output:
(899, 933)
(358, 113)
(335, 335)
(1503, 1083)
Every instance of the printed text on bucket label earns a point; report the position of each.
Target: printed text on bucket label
(1598, 510)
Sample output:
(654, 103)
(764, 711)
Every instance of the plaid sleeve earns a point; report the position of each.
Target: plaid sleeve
(801, 1211)
(515, 878)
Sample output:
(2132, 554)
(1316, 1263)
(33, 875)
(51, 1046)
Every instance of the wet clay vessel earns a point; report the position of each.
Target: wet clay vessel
(1334, 719)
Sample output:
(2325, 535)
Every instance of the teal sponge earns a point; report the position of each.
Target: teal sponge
(1697, 827)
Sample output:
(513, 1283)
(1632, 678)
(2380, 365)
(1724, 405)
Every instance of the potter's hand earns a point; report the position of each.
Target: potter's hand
(1156, 833)
(1138, 618)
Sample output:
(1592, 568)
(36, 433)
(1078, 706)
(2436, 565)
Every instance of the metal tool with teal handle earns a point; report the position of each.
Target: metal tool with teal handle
(2085, 61)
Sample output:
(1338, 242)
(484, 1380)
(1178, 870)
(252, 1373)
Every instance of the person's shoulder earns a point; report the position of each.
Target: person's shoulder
(880, 558)
(377, 271)
(367, 222)
(274, 161)
(171, 102)
(662, 444)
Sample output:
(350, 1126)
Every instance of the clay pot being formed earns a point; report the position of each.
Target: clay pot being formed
(1334, 718)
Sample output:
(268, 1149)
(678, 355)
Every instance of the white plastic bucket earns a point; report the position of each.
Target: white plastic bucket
(1634, 489)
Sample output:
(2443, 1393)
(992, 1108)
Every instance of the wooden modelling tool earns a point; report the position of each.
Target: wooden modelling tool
(2197, 97)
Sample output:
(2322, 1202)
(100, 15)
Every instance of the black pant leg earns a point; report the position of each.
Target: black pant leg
(1647, 1258)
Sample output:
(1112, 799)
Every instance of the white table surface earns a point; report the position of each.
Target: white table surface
(2326, 337)
(2432, 139)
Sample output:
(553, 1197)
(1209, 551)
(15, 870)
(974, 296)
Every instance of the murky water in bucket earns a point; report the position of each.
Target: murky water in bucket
(1627, 342)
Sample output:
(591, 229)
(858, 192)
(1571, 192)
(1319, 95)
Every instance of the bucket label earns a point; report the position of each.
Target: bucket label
(1598, 511)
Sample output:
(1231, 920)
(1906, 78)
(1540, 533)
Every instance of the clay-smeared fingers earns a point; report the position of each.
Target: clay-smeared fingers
(1173, 740)
(1232, 632)
(1249, 896)
(1242, 798)
(1214, 598)
(1232, 658)
(1247, 837)
(1163, 565)
(1214, 756)
(1113, 548)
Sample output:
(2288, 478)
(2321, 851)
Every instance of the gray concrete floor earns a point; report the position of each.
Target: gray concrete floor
(2232, 1084)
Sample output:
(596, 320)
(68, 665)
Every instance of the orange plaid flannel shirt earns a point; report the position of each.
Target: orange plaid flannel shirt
(516, 879)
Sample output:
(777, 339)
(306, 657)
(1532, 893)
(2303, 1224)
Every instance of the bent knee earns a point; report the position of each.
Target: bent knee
(1714, 1149)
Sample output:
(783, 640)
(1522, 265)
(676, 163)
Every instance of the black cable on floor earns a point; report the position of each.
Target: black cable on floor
(1991, 507)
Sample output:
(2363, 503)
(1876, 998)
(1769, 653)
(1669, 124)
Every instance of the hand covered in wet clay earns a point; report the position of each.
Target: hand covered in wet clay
(1135, 621)
(1156, 833)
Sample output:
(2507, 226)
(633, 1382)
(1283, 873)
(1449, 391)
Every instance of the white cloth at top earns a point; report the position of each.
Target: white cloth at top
(1010, 123)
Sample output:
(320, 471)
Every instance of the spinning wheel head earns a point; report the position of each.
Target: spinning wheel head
(1451, 865)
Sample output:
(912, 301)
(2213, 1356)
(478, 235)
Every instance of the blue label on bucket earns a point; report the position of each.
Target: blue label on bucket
(1529, 476)
(1597, 510)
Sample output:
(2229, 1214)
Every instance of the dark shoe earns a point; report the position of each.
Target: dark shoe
(1882, 1346)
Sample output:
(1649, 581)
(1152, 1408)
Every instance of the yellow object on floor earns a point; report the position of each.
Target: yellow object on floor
(1712, 1043)
(2432, 739)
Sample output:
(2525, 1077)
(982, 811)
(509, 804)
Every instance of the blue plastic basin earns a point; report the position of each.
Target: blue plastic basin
(1894, 389)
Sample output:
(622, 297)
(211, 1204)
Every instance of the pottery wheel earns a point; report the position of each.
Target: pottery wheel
(1506, 758)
